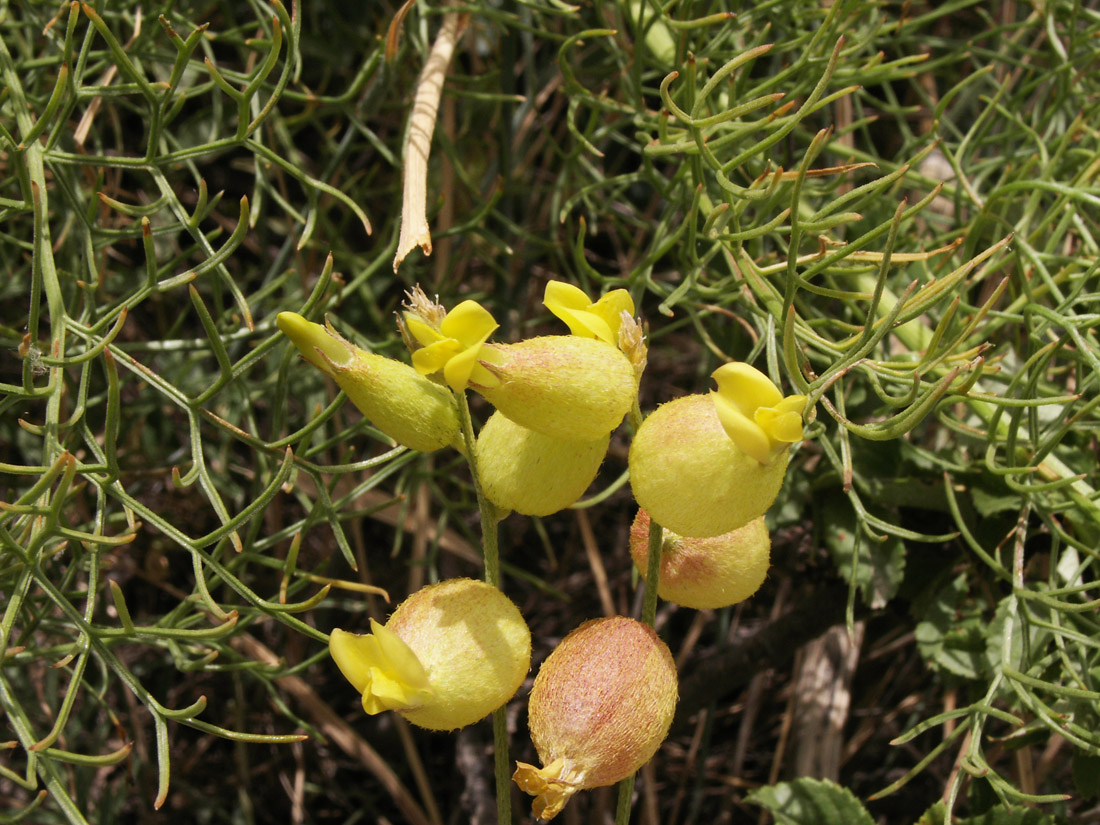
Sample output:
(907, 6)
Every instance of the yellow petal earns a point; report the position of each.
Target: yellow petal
(588, 325)
(746, 386)
(354, 655)
(434, 357)
(792, 403)
(381, 667)
(386, 691)
(612, 306)
(399, 656)
(421, 331)
(551, 791)
(461, 365)
(785, 427)
(584, 318)
(561, 294)
(469, 323)
(742, 430)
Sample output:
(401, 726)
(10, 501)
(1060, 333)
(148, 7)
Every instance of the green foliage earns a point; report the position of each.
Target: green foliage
(889, 207)
(997, 815)
(811, 802)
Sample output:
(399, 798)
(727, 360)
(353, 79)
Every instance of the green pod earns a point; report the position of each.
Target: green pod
(406, 406)
(563, 386)
(532, 473)
(687, 472)
(706, 573)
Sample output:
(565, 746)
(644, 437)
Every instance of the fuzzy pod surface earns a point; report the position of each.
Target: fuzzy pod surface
(690, 476)
(406, 406)
(601, 705)
(474, 644)
(532, 473)
(563, 386)
(409, 408)
(472, 651)
(710, 572)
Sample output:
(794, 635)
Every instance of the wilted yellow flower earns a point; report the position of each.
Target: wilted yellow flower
(575, 389)
(754, 412)
(585, 317)
(532, 473)
(450, 654)
(455, 346)
(706, 573)
(404, 405)
(691, 476)
(600, 707)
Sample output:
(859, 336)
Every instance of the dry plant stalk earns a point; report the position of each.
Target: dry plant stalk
(429, 88)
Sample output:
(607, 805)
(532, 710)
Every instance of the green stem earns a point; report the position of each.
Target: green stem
(501, 760)
(649, 613)
(488, 511)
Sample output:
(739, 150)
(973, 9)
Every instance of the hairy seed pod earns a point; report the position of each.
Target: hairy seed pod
(601, 706)
(450, 654)
(706, 573)
(687, 472)
(532, 473)
(563, 386)
(412, 410)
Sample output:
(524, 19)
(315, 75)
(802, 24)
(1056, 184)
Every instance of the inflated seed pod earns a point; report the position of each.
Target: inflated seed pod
(690, 475)
(532, 473)
(450, 654)
(706, 573)
(406, 406)
(601, 706)
(563, 386)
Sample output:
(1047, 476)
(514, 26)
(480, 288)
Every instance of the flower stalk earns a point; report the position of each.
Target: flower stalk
(649, 616)
(490, 552)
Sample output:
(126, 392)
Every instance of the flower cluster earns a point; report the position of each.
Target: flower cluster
(703, 467)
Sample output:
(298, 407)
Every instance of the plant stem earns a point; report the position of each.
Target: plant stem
(489, 547)
(649, 613)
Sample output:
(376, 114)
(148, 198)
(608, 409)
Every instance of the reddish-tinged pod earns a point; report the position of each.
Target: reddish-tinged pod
(601, 706)
(706, 573)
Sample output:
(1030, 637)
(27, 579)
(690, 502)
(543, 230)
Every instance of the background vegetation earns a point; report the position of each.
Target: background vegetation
(890, 206)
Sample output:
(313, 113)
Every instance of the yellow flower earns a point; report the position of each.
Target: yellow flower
(455, 346)
(692, 477)
(409, 408)
(381, 667)
(754, 412)
(450, 654)
(600, 319)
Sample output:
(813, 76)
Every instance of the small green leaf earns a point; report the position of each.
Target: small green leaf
(811, 802)
(933, 816)
(988, 503)
(1019, 655)
(1000, 815)
(951, 634)
(996, 815)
